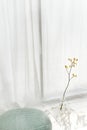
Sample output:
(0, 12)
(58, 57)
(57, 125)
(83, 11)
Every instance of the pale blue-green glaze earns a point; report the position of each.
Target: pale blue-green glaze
(25, 119)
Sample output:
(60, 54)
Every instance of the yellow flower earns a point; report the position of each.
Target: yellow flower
(74, 63)
(66, 66)
(74, 75)
(76, 59)
(70, 59)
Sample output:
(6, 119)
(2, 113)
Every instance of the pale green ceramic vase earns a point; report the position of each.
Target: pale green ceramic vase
(25, 119)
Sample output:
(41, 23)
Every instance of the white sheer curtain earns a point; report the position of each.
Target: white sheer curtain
(36, 38)
(20, 64)
(64, 36)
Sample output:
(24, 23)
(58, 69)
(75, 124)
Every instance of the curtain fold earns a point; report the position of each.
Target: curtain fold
(20, 52)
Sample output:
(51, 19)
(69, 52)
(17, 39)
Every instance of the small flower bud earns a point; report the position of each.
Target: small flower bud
(70, 59)
(66, 66)
(74, 75)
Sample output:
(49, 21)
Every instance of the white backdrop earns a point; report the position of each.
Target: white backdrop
(36, 38)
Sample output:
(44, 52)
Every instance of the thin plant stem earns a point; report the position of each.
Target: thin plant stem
(69, 79)
(68, 70)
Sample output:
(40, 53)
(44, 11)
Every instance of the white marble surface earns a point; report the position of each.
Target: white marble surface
(77, 118)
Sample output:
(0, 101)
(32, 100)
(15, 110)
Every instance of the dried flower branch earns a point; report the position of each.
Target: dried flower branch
(73, 63)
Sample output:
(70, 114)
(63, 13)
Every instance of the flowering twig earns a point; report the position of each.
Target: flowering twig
(73, 63)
